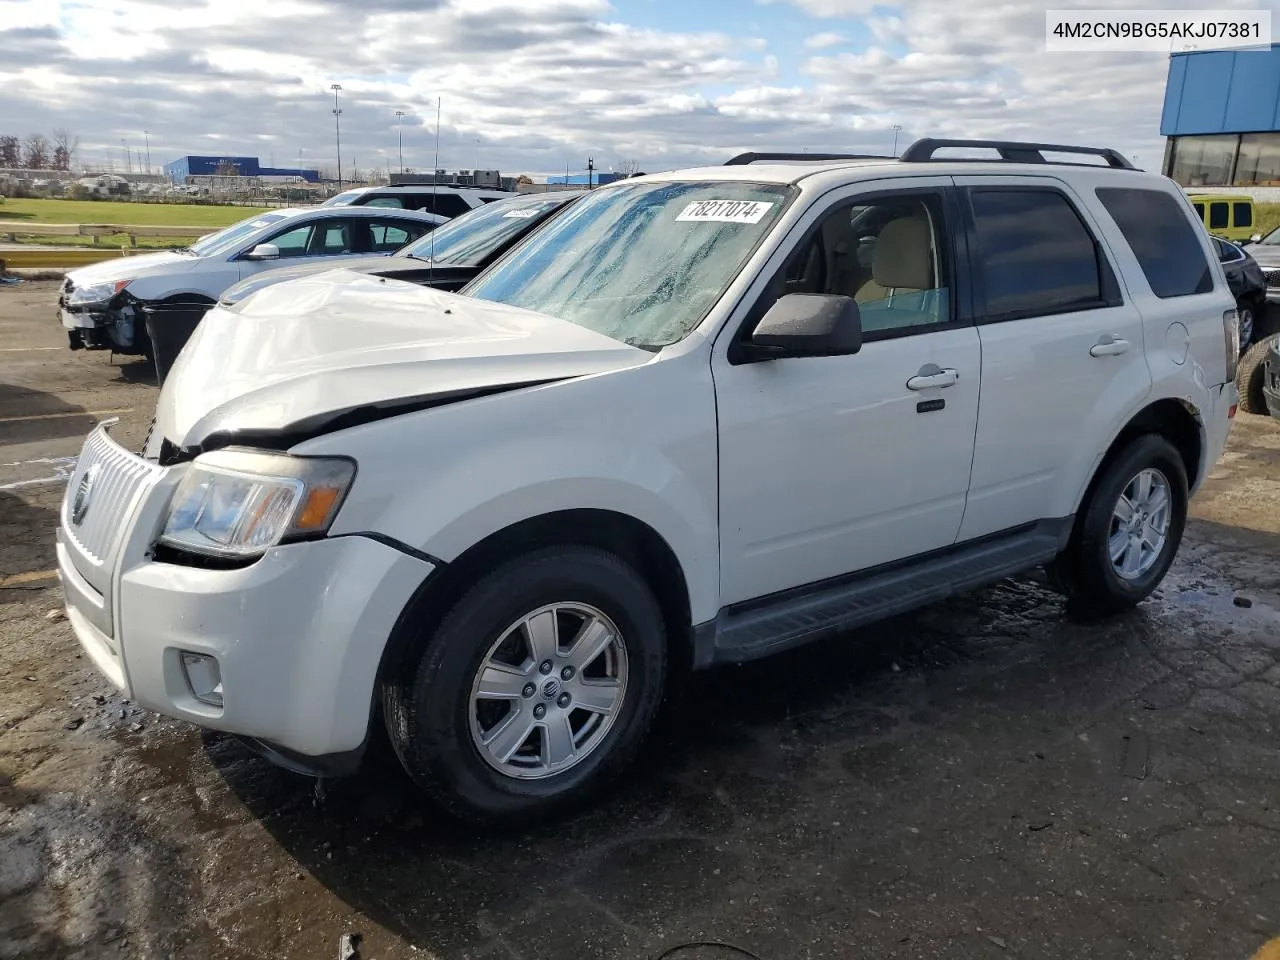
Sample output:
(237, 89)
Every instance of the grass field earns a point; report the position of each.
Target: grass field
(203, 218)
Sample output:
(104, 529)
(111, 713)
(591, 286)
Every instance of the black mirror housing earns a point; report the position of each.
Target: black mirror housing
(803, 325)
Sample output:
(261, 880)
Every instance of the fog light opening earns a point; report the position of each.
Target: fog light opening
(204, 677)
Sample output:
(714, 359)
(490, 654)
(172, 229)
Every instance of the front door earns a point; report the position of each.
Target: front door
(830, 465)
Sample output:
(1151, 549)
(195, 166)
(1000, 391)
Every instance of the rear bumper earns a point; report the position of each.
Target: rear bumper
(1217, 426)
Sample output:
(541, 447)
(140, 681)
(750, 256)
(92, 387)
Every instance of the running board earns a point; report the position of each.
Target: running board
(759, 628)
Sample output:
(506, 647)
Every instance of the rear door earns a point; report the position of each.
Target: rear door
(1062, 349)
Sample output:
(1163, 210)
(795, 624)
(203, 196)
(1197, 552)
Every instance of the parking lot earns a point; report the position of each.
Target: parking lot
(986, 778)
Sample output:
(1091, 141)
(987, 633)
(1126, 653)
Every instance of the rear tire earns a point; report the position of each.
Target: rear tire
(1249, 373)
(1112, 563)
(446, 716)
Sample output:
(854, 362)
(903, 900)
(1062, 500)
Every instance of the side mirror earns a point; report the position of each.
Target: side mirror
(264, 251)
(803, 325)
(1256, 238)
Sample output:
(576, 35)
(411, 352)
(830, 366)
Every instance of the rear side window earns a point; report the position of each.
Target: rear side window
(1162, 238)
(1036, 257)
(1218, 216)
(1243, 214)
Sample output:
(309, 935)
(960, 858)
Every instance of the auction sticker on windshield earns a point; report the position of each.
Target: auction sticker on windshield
(519, 214)
(725, 211)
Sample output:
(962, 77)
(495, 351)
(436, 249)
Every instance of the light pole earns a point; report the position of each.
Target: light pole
(128, 160)
(337, 129)
(897, 127)
(400, 139)
(591, 167)
(147, 136)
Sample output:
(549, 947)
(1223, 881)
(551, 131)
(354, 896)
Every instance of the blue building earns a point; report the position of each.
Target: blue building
(184, 167)
(1222, 118)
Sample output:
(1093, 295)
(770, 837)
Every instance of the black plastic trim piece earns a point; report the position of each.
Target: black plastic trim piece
(1011, 151)
(326, 765)
(767, 625)
(394, 544)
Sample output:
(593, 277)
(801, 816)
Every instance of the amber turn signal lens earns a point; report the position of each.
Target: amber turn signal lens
(316, 508)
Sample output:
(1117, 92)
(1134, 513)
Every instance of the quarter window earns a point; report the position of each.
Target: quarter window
(1164, 241)
(386, 237)
(1243, 213)
(1035, 256)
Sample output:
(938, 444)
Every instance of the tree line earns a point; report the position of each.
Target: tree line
(38, 152)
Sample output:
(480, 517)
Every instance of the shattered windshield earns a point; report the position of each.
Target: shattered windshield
(467, 240)
(642, 263)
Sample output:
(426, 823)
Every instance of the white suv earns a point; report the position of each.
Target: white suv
(701, 417)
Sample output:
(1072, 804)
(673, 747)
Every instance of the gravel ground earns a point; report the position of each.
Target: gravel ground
(986, 778)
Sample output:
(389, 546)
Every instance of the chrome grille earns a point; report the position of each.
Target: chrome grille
(119, 476)
(1272, 277)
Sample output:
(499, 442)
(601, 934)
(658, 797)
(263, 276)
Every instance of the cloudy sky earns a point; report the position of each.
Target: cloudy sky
(533, 86)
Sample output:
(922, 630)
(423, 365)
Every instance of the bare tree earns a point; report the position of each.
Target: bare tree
(628, 168)
(64, 148)
(36, 152)
(10, 151)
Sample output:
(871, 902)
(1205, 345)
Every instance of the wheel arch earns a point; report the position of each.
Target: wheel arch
(631, 539)
(1178, 421)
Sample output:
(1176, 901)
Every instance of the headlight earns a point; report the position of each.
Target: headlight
(96, 292)
(238, 503)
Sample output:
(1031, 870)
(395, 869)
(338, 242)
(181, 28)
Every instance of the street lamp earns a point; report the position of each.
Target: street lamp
(147, 136)
(400, 138)
(897, 128)
(128, 160)
(337, 130)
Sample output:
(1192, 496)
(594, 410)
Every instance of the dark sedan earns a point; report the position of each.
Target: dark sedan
(1248, 285)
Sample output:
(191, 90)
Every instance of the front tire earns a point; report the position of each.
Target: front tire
(535, 691)
(1128, 534)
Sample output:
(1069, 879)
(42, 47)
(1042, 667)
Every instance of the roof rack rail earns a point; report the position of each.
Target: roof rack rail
(743, 159)
(1013, 151)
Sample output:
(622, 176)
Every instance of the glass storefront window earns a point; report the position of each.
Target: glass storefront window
(1259, 164)
(1204, 161)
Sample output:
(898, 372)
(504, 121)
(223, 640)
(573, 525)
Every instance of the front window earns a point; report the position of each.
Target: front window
(224, 241)
(642, 263)
(468, 240)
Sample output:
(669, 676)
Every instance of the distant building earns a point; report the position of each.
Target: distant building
(598, 178)
(482, 179)
(1222, 118)
(179, 170)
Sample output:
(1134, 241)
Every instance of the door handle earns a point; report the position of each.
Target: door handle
(1109, 345)
(931, 375)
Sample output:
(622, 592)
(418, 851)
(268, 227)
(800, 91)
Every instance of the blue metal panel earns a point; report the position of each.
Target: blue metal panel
(1173, 96)
(1222, 91)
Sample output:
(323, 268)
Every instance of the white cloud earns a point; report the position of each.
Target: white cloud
(542, 83)
(820, 41)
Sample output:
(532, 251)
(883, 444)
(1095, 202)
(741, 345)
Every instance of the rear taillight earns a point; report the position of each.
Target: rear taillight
(1231, 338)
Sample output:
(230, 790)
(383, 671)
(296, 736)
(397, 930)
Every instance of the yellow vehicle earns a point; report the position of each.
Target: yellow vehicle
(1226, 215)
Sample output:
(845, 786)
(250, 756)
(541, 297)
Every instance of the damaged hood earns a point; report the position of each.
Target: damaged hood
(127, 268)
(307, 354)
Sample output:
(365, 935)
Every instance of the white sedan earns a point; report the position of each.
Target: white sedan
(101, 306)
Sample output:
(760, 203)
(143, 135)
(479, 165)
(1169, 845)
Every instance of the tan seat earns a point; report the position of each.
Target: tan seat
(903, 261)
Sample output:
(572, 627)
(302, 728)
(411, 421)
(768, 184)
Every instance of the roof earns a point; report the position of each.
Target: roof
(394, 212)
(828, 174)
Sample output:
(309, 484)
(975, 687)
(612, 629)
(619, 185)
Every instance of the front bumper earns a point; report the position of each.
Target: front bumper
(297, 635)
(97, 326)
